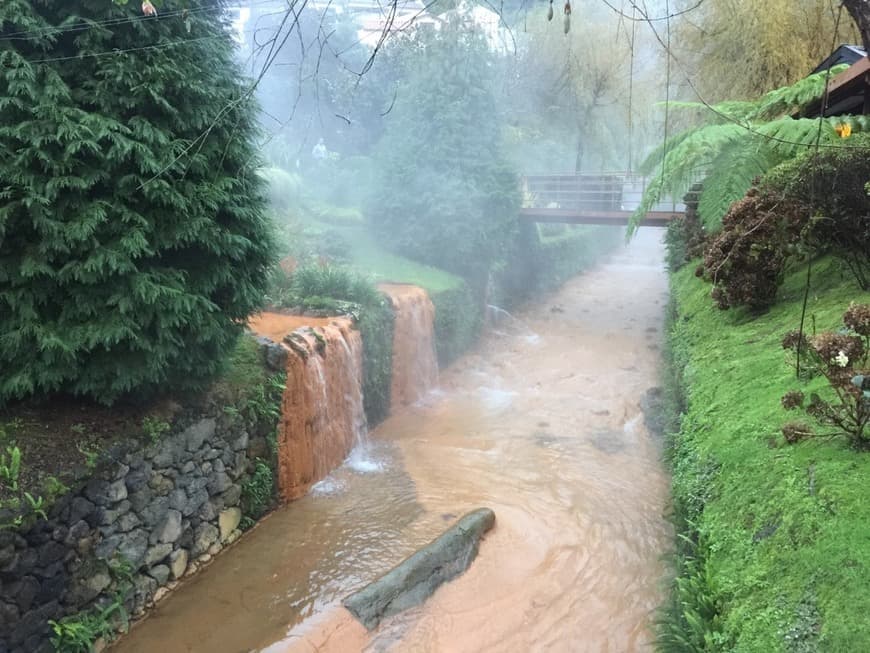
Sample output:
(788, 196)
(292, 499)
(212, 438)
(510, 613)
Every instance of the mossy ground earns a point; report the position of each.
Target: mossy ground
(785, 530)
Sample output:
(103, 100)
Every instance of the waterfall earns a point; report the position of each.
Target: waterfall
(322, 416)
(415, 365)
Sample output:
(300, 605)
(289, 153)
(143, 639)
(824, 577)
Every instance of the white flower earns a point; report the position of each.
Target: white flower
(841, 359)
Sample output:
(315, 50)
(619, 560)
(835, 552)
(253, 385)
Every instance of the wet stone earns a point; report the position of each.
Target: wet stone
(194, 436)
(155, 512)
(24, 592)
(51, 587)
(51, 552)
(7, 554)
(76, 532)
(232, 496)
(160, 573)
(80, 508)
(219, 482)
(204, 536)
(170, 530)
(157, 553)
(178, 563)
(27, 560)
(160, 484)
(35, 622)
(8, 616)
(96, 491)
(128, 522)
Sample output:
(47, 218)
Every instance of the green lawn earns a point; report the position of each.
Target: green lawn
(786, 529)
(372, 259)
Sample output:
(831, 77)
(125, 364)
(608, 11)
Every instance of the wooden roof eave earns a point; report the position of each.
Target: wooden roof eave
(851, 79)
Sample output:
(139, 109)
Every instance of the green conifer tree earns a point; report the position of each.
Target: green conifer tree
(133, 240)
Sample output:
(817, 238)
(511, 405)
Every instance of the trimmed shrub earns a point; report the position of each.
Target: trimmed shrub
(458, 323)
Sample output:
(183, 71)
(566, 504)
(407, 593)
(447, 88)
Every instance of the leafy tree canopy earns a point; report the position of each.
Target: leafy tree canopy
(445, 194)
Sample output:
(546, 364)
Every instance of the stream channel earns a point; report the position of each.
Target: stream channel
(542, 423)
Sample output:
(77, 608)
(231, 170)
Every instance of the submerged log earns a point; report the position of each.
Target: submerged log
(416, 578)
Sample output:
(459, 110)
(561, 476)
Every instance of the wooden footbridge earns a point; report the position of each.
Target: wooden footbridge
(608, 198)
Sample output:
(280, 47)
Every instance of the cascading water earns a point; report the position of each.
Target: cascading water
(547, 434)
(415, 365)
(322, 416)
(504, 323)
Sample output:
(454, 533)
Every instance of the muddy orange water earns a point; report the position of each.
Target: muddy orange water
(277, 325)
(543, 425)
(415, 368)
(322, 414)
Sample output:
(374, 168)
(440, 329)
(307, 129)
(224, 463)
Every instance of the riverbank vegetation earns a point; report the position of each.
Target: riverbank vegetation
(772, 544)
(769, 303)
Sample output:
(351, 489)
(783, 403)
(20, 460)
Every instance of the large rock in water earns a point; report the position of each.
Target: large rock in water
(416, 578)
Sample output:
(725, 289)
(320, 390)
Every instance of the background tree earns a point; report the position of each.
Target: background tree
(444, 191)
(739, 49)
(132, 238)
(860, 12)
(568, 94)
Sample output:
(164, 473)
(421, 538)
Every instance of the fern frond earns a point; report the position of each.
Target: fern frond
(790, 99)
(731, 175)
(654, 159)
(727, 111)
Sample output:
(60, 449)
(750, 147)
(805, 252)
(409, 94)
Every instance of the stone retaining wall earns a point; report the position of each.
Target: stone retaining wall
(142, 520)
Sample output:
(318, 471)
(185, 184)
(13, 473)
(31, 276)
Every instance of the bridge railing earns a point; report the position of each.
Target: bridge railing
(605, 191)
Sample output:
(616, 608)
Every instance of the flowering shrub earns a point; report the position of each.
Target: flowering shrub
(843, 358)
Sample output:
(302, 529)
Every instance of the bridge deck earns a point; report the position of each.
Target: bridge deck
(608, 198)
(613, 218)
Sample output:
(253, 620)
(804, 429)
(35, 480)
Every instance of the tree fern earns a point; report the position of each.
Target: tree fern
(740, 141)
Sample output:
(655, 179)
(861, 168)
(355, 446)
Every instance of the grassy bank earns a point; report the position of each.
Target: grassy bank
(775, 539)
